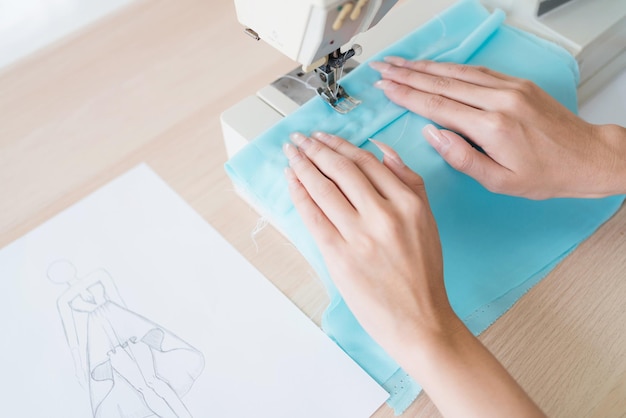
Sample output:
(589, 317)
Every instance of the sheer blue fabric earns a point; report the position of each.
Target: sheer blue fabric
(495, 247)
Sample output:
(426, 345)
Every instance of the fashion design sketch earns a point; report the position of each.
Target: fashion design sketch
(131, 366)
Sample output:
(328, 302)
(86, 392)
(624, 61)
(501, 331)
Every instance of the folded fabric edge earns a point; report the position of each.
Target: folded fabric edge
(243, 189)
(464, 51)
(553, 47)
(482, 318)
(485, 316)
(403, 391)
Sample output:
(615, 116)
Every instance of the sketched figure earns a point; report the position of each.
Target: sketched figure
(131, 366)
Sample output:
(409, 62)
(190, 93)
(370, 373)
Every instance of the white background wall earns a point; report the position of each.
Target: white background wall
(27, 25)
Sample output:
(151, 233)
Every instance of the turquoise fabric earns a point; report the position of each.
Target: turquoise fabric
(495, 247)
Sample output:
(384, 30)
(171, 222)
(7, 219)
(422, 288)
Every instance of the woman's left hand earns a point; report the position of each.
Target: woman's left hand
(376, 232)
(374, 227)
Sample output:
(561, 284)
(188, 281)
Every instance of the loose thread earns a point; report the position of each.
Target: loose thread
(406, 124)
(393, 143)
(305, 82)
(261, 223)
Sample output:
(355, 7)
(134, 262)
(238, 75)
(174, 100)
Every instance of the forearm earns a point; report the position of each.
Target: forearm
(463, 379)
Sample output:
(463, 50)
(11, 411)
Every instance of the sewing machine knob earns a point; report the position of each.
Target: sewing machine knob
(343, 14)
(358, 49)
(357, 10)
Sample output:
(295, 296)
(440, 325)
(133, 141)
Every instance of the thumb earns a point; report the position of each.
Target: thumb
(462, 156)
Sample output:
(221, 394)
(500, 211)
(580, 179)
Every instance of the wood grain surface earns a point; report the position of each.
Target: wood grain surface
(149, 82)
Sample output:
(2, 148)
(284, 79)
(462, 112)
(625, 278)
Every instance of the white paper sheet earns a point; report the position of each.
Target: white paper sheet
(128, 304)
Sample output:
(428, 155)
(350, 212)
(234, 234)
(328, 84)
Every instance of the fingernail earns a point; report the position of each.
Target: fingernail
(400, 62)
(290, 151)
(322, 136)
(297, 138)
(389, 152)
(301, 140)
(437, 139)
(381, 67)
(384, 84)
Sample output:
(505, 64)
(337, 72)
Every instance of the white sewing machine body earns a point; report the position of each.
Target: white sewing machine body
(594, 31)
(307, 31)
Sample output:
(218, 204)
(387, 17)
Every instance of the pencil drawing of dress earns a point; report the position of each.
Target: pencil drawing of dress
(133, 366)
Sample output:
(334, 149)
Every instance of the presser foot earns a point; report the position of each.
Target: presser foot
(340, 101)
(329, 74)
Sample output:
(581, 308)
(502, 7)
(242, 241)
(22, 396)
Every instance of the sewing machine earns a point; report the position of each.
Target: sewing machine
(329, 38)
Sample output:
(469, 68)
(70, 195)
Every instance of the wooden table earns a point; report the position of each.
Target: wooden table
(148, 84)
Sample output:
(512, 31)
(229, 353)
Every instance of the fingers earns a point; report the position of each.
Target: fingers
(463, 157)
(375, 172)
(322, 229)
(333, 177)
(480, 76)
(442, 110)
(459, 97)
(342, 168)
(322, 191)
(439, 84)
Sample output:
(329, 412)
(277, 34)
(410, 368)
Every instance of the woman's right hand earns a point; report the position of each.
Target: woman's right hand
(533, 146)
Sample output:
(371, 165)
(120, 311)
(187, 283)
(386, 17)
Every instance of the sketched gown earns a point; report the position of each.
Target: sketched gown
(110, 329)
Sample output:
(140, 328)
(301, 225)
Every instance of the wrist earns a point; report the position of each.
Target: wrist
(611, 167)
(456, 366)
(418, 341)
(615, 137)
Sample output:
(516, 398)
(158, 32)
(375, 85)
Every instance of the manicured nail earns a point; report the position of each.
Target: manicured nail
(300, 140)
(389, 153)
(321, 136)
(437, 138)
(290, 151)
(297, 138)
(385, 85)
(398, 61)
(381, 67)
